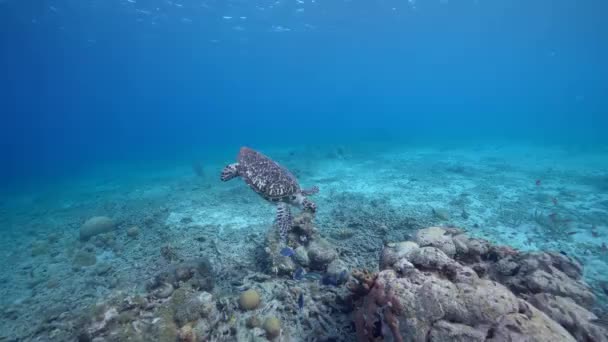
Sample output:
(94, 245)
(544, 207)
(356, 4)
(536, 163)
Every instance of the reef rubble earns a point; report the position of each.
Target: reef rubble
(443, 285)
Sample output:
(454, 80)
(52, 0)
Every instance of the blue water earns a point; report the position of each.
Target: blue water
(89, 82)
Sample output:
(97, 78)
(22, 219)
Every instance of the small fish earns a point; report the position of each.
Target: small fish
(537, 182)
(298, 273)
(572, 233)
(301, 301)
(554, 200)
(604, 247)
(287, 252)
(563, 253)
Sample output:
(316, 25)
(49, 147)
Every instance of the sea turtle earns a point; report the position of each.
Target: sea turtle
(273, 182)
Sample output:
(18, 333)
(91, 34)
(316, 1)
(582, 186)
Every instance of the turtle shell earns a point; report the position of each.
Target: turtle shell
(265, 176)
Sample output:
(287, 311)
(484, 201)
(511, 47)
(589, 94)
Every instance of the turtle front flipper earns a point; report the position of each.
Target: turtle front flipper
(230, 172)
(313, 190)
(283, 220)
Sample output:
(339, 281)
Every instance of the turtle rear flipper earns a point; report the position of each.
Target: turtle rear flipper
(283, 220)
(229, 172)
(311, 191)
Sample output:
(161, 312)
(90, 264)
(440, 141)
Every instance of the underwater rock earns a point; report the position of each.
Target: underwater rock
(104, 240)
(430, 258)
(436, 237)
(320, 253)
(478, 294)
(506, 267)
(533, 325)
(249, 300)
(168, 253)
(394, 252)
(84, 259)
(301, 256)
(539, 273)
(133, 232)
(102, 268)
(39, 248)
(202, 329)
(285, 265)
(96, 225)
(303, 226)
(53, 237)
(187, 334)
(337, 269)
(487, 301)
(444, 331)
(343, 233)
(197, 274)
(571, 267)
(165, 290)
(441, 214)
(106, 317)
(576, 319)
(165, 329)
(190, 306)
(253, 322)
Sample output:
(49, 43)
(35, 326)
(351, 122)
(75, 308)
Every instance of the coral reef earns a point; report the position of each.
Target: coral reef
(147, 284)
(446, 286)
(311, 251)
(267, 307)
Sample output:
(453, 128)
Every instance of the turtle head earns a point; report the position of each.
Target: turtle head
(229, 172)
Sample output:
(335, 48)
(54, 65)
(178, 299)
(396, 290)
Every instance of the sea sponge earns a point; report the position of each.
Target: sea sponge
(272, 326)
(96, 225)
(249, 299)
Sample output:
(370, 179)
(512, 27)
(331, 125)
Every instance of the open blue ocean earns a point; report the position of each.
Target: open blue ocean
(303, 170)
